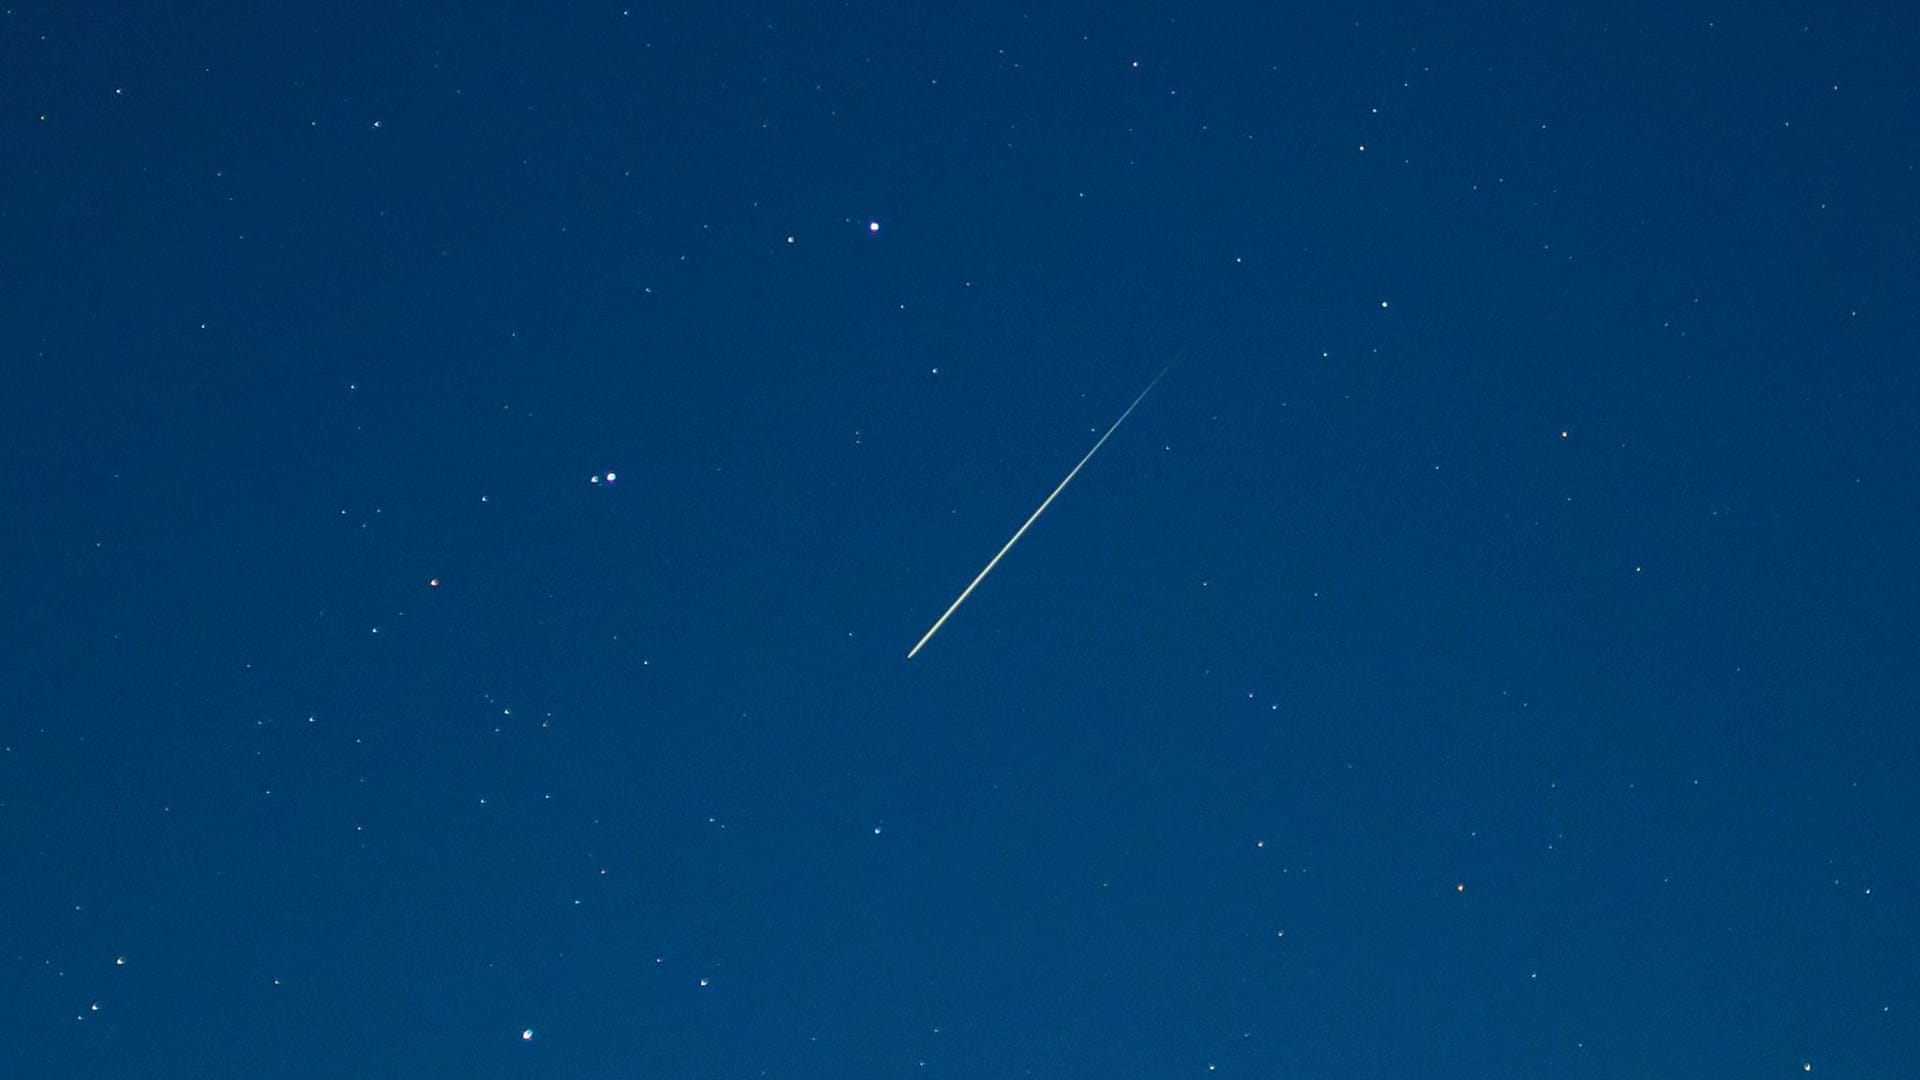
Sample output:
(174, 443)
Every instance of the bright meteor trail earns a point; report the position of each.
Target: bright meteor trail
(995, 561)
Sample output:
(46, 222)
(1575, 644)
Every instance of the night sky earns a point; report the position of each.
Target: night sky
(472, 474)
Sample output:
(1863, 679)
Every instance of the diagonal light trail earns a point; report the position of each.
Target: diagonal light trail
(1008, 546)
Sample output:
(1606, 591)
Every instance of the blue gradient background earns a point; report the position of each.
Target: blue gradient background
(1491, 652)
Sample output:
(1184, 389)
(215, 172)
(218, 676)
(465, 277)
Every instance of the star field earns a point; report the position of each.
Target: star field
(473, 476)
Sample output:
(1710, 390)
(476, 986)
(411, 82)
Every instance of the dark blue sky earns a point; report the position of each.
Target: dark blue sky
(1489, 652)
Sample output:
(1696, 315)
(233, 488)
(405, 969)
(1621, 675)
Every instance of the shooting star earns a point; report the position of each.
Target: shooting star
(1002, 553)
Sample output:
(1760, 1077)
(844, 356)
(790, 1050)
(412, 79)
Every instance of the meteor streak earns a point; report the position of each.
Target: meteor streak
(995, 561)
